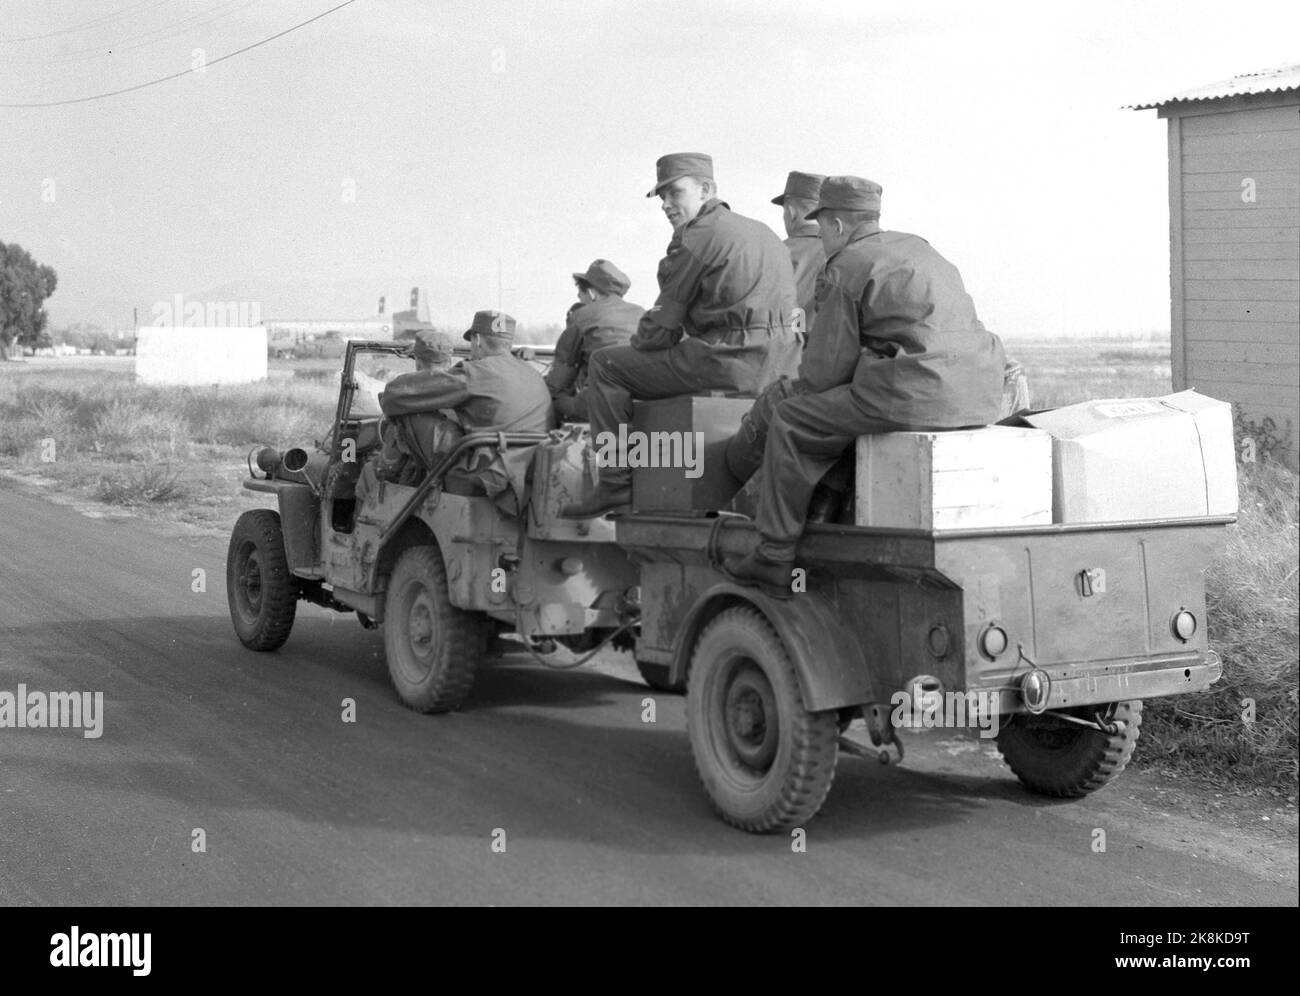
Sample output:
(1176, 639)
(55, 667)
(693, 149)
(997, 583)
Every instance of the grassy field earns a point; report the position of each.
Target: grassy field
(179, 453)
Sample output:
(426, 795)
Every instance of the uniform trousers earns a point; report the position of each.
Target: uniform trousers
(807, 434)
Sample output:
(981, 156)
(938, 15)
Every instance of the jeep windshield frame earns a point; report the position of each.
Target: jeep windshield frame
(348, 387)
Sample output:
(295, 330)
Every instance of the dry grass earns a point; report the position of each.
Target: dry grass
(1254, 624)
(177, 450)
(108, 414)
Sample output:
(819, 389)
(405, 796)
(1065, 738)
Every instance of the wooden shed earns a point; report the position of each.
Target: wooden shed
(1234, 246)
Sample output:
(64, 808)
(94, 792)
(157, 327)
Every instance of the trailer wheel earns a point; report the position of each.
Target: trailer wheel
(432, 647)
(656, 676)
(766, 762)
(261, 590)
(1057, 758)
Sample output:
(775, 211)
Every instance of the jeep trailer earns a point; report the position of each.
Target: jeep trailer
(1056, 633)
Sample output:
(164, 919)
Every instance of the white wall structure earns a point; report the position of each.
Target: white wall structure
(170, 354)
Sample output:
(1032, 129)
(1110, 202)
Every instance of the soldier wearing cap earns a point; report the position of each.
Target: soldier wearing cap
(897, 346)
(600, 318)
(798, 200)
(723, 319)
(433, 350)
(491, 390)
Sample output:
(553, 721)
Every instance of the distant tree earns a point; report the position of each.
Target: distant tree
(24, 286)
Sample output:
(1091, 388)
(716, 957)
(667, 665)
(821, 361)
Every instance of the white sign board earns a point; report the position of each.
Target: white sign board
(169, 354)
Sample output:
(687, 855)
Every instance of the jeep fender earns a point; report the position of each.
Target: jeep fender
(299, 515)
(829, 658)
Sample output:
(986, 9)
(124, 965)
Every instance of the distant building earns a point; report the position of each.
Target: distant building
(1234, 238)
(317, 337)
(408, 324)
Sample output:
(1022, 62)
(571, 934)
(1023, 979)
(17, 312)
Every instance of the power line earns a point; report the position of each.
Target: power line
(183, 25)
(78, 27)
(183, 72)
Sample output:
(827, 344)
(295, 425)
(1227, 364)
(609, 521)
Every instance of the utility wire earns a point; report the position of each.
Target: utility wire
(78, 27)
(183, 72)
(139, 41)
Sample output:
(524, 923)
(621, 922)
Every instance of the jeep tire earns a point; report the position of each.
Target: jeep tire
(432, 647)
(1054, 757)
(261, 590)
(766, 762)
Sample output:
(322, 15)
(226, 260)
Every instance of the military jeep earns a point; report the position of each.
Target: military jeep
(1008, 616)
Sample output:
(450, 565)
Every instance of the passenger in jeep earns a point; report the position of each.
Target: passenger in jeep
(491, 390)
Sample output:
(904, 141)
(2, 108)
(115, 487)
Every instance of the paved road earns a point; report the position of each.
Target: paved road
(597, 807)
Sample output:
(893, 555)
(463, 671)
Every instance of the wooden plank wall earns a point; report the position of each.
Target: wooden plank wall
(1235, 262)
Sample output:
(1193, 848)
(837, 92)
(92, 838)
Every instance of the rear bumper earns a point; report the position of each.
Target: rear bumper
(1079, 685)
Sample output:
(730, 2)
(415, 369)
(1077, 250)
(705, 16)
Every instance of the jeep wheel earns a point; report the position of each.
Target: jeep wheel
(262, 592)
(432, 647)
(656, 676)
(1053, 757)
(766, 762)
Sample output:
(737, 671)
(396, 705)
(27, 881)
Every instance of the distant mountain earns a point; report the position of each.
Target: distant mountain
(98, 298)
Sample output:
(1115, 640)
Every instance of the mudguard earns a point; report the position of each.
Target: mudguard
(299, 515)
(829, 658)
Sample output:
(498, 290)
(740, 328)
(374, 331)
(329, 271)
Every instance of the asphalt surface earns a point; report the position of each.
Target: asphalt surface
(297, 806)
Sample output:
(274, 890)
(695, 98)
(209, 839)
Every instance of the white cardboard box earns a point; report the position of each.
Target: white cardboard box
(1124, 459)
(964, 479)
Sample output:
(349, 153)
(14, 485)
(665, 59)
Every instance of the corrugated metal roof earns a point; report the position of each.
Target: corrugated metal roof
(1279, 80)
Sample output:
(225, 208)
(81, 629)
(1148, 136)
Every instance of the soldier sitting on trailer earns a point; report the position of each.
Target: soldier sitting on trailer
(724, 318)
(897, 347)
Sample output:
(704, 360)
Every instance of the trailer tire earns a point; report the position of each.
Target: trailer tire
(766, 762)
(432, 648)
(656, 676)
(260, 589)
(1051, 757)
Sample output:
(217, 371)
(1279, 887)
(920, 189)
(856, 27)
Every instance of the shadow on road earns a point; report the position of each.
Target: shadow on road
(193, 718)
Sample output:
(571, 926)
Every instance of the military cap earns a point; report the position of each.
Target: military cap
(676, 165)
(605, 276)
(434, 347)
(805, 185)
(493, 323)
(848, 193)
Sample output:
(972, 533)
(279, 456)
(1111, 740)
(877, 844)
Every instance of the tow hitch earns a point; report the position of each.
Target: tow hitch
(882, 734)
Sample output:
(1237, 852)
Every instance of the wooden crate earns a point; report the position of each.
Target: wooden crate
(965, 479)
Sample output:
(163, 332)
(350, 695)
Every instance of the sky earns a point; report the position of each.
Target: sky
(485, 151)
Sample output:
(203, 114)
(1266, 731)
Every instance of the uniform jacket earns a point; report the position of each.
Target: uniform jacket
(609, 321)
(894, 319)
(723, 272)
(808, 256)
(495, 392)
